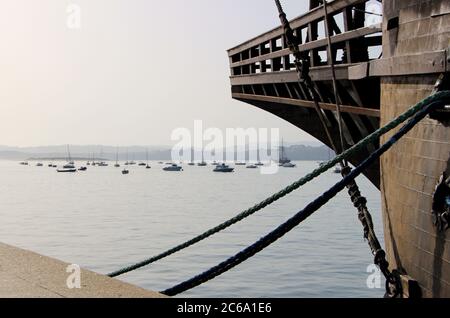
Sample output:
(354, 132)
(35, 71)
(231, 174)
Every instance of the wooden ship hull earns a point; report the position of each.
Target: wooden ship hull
(382, 68)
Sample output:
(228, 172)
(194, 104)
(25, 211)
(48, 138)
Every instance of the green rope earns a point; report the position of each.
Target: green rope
(444, 95)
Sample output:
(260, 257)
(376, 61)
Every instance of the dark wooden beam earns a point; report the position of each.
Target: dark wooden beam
(309, 104)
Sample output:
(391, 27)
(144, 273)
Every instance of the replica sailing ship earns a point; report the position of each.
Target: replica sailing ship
(341, 46)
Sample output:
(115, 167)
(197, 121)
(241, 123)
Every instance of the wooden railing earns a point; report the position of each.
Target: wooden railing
(349, 37)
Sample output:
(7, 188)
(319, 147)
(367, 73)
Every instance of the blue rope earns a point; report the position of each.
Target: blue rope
(373, 137)
(303, 214)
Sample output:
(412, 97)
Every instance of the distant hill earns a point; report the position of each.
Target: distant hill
(294, 152)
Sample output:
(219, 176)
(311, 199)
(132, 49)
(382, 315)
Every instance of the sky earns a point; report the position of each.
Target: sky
(133, 72)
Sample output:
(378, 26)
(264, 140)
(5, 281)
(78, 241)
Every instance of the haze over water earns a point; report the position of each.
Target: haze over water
(103, 220)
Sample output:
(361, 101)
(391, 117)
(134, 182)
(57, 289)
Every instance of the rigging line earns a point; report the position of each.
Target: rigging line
(333, 74)
(302, 66)
(302, 215)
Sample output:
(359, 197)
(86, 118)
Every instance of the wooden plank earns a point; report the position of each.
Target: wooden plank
(358, 71)
(309, 104)
(319, 73)
(298, 22)
(423, 63)
(342, 37)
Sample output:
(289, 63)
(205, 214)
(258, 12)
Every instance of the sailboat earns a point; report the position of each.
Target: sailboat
(283, 159)
(117, 165)
(132, 162)
(192, 163)
(102, 163)
(259, 163)
(146, 157)
(125, 170)
(203, 163)
(70, 166)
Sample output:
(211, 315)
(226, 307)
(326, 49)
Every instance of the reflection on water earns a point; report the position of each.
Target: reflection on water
(102, 220)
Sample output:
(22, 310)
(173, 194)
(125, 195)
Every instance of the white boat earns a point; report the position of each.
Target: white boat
(173, 167)
(223, 168)
(67, 170)
(240, 163)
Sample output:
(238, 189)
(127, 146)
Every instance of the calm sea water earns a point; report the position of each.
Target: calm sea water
(102, 220)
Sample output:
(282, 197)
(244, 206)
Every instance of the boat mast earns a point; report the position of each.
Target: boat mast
(68, 154)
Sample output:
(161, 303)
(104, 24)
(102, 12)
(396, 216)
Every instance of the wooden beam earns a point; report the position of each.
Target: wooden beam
(423, 63)
(318, 73)
(309, 104)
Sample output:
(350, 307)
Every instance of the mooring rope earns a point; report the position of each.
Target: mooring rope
(312, 207)
(444, 95)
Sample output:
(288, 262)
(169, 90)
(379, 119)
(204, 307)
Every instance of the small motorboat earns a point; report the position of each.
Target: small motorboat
(117, 165)
(259, 164)
(252, 167)
(223, 168)
(125, 171)
(24, 163)
(102, 164)
(202, 164)
(132, 163)
(82, 169)
(50, 165)
(173, 167)
(148, 167)
(142, 164)
(67, 170)
(39, 164)
(240, 163)
(288, 165)
(191, 164)
(88, 163)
